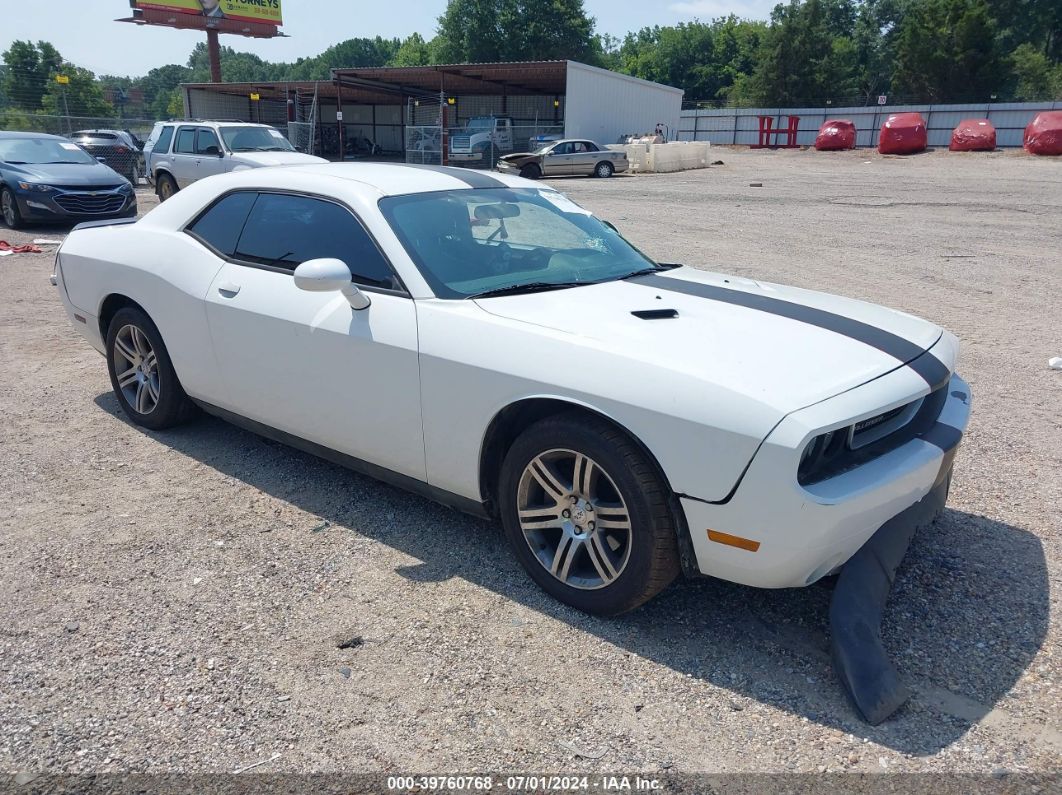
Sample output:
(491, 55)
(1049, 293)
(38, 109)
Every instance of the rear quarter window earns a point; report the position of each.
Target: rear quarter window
(219, 227)
(162, 145)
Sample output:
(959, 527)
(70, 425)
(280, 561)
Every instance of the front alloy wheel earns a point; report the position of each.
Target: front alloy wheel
(9, 209)
(587, 514)
(574, 519)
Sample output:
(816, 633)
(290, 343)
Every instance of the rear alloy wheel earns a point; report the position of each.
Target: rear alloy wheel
(530, 171)
(166, 187)
(603, 169)
(9, 209)
(141, 372)
(587, 515)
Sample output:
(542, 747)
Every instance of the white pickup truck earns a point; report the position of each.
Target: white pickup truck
(483, 138)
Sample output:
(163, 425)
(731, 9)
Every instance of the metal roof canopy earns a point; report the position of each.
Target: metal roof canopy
(484, 79)
(280, 90)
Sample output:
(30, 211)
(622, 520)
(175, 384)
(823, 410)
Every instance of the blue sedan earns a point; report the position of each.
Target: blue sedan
(48, 179)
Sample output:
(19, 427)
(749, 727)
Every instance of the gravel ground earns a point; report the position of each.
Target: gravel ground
(176, 601)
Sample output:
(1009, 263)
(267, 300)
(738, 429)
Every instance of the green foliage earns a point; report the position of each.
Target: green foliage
(515, 30)
(83, 96)
(415, 51)
(707, 60)
(1036, 77)
(29, 67)
(807, 55)
(947, 50)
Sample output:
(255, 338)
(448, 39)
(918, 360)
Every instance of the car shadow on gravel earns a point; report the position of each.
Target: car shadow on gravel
(967, 615)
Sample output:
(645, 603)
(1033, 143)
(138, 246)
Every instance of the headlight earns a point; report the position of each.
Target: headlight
(33, 186)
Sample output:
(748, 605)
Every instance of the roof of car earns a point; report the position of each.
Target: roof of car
(17, 134)
(230, 123)
(382, 179)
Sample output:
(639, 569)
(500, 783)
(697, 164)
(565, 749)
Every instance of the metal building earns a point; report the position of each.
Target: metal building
(464, 114)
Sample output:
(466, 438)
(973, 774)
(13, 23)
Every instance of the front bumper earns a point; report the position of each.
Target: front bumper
(805, 533)
(65, 206)
(858, 605)
(466, 156)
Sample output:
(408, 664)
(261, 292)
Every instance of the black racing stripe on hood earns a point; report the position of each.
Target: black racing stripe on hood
(929, 367)
(472, 178)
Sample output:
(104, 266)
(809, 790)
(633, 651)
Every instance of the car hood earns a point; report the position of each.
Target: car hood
(783, 347)
(519, 156)
(276, 158)
(81, 175)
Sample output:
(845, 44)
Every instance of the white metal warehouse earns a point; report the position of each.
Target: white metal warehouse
(408, 112)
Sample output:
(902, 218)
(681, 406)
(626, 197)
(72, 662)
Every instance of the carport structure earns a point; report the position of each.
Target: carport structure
(409, 111)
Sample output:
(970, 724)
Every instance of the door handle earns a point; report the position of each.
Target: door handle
(228, 289)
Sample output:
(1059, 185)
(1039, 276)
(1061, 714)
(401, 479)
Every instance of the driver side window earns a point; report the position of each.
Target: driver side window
(562, 149)
(206, 143)
(284, 230)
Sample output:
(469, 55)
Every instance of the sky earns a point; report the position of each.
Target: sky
(85, 33)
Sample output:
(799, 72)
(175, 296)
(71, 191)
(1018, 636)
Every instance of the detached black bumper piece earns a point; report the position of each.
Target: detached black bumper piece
(858, 603)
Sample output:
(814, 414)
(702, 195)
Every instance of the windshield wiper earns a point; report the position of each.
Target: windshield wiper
(532, 287)
(65, 163)
(647, 271)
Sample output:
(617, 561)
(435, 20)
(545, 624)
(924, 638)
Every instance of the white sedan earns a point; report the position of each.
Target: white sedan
(483, 340)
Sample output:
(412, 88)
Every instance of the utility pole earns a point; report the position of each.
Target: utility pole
(64, 81)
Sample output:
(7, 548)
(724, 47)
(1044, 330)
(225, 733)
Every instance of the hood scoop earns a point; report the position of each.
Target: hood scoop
(655, 314)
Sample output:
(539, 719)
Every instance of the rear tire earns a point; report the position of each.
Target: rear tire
(587, 515)
(603, 169)
(167, 186)
(142, 374)
(9, 209)
(530, 171)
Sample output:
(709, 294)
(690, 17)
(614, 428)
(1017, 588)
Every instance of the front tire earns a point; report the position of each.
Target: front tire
(530, 171)
(603, 169)
(142, 374)
(9, 208)
(587, 515)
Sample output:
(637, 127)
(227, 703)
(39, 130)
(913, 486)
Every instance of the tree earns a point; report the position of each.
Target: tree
(82, 96)
(1036, 77)
(515, 30)
(805, 56)
(415, 51)
(29, 68)
(159, 84)
(946, 50)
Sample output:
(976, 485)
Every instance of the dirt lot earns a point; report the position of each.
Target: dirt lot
(174, 601)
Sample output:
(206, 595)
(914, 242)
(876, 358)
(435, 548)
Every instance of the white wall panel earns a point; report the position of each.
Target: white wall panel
(603, 105)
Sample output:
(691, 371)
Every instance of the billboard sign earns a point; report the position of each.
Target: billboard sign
(266, 12)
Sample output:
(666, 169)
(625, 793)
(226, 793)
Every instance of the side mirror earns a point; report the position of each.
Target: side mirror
(330, 275)
(101, 160)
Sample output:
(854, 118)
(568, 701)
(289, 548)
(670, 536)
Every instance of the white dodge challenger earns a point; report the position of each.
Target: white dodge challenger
(483, 340)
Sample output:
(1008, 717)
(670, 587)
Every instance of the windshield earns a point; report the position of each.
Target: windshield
(41, 151)
(470, 242)
(480, 124)
(255, 139)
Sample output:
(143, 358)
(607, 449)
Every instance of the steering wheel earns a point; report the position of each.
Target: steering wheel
(501, 259)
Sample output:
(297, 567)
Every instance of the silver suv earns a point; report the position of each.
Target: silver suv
(180, 152)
